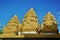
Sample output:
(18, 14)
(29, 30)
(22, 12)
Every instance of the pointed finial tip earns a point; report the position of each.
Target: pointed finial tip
(15, 15)
(49, 12)
(31, 8)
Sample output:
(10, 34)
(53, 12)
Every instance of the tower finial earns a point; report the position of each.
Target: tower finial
(49, 12)
(15, 15)
(31, 8)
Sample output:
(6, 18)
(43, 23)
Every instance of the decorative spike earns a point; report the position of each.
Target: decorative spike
(31, 9)
(15, 15)
(49, 12)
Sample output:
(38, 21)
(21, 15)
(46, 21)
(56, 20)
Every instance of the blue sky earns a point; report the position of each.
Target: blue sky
(8, 8)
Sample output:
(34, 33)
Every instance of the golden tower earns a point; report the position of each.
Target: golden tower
(30, 22)
(49, 24)
(13, 26)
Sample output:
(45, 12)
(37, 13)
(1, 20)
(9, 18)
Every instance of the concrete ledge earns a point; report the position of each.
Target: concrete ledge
(31, 36)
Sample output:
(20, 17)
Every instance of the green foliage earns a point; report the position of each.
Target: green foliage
(1, 31)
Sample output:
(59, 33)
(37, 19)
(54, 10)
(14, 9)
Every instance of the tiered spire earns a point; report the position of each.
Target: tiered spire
(30, 24)
(13, 25)
(49, 23)
(49, 18)
(30, 21)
